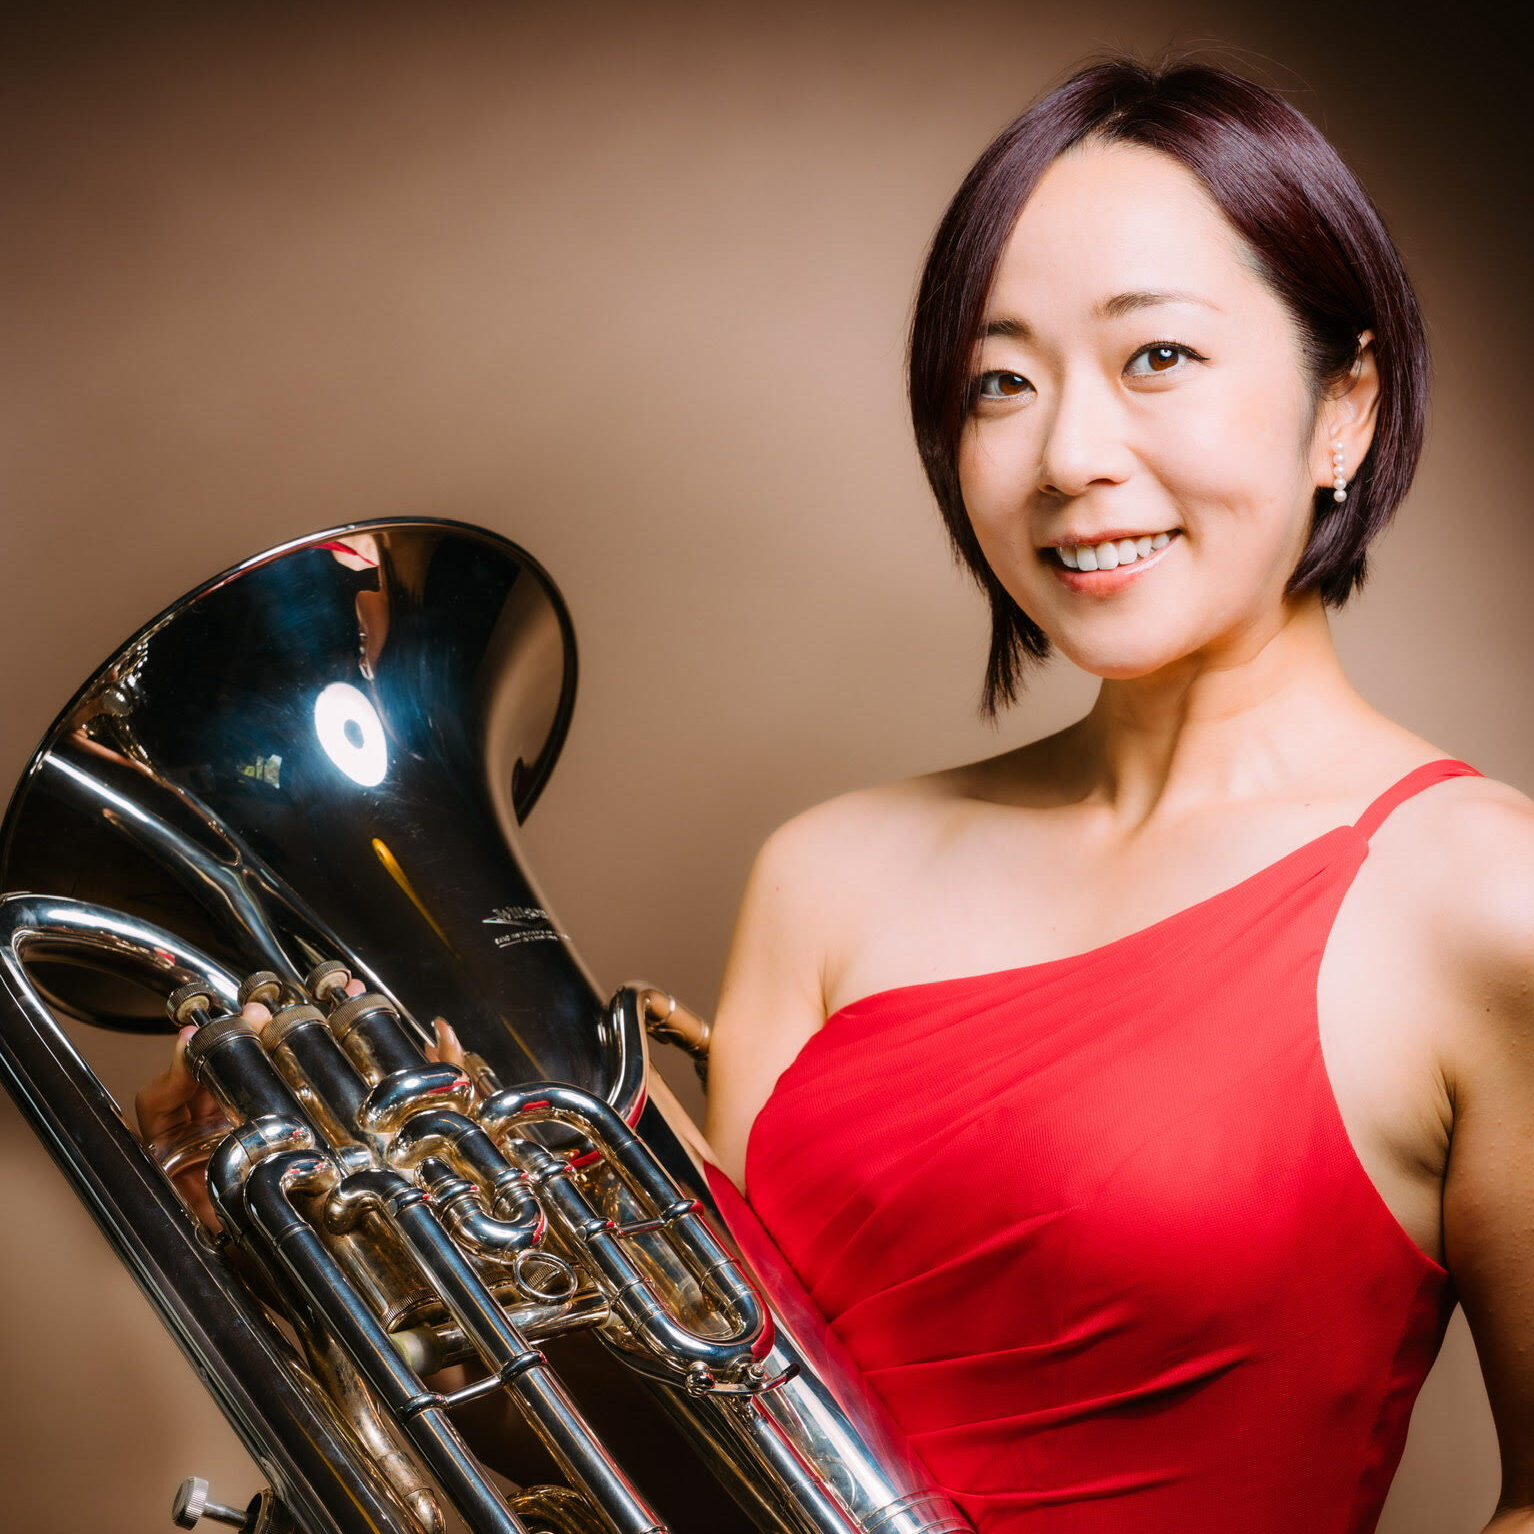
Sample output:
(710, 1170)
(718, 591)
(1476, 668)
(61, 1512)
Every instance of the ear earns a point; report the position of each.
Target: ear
(1348, 415)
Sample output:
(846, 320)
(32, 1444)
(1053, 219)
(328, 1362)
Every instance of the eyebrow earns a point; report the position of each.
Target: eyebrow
(1112, 308)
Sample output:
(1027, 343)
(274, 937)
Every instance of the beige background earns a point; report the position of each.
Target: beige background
(629, 285)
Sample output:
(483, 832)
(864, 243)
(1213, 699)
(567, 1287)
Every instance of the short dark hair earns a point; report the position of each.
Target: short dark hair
(1315, 237)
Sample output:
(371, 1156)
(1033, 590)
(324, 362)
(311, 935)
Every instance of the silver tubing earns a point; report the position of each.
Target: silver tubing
(516, 1221)
(225, 884)
(349, 1390)
(401, 1093)
(507, 1354)
(316, 1471)
(283, 1230)
(734, 1357)
(34, 927)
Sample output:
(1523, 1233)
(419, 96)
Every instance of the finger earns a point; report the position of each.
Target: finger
(195, 1192)
(174, 1086)
(355, 987)
(256, 1015)
(192, 1184)
(204, 1105)
(165, 1099)
(447, 1047)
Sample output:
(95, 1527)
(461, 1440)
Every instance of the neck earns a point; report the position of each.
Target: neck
(1256, 719)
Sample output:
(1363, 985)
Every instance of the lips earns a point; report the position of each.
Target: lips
(1110, 551)
(1103, 581)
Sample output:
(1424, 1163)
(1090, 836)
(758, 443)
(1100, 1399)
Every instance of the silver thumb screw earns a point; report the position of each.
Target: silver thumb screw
(191, 1503)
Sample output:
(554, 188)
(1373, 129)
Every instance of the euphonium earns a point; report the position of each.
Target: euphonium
(311, 768)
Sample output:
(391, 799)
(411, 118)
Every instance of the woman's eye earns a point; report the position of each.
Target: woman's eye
(1000, 384)
(1162, 357)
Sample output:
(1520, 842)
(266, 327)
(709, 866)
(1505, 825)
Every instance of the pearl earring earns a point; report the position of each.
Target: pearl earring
(1339, 479)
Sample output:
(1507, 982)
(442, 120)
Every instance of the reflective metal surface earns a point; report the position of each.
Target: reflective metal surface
(325, 755)
(345, 731)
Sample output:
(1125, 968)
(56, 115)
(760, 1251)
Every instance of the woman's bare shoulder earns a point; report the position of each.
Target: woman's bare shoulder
(858, 821)
(812, 882)
(1455, 868)
(862, 833)
(1478, 833)
(838, 863)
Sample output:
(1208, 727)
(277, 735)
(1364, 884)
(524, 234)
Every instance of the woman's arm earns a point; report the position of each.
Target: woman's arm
(1488, 1200)
(770, 1001)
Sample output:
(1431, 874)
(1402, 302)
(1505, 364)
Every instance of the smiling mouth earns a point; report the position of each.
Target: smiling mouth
(1105, 580)
(1111, 553)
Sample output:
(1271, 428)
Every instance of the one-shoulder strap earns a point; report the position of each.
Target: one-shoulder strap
(1414, 782)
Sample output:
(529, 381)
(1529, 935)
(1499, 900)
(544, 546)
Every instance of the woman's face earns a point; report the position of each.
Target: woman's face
(1140, 380)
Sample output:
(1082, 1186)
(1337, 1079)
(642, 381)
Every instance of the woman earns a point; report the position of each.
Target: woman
(1136, 1104)
(1104, 1091)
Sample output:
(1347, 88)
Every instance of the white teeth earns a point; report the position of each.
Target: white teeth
(1112, 553)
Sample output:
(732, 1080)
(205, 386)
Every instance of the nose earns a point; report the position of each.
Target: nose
(1084, 441)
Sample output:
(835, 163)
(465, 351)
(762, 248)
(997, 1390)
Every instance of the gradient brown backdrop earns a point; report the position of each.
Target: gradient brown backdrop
(628, 284)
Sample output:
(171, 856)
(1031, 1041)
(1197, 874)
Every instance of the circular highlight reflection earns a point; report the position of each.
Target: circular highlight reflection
(352, 734)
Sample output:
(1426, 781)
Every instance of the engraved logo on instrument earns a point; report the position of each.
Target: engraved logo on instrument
(531, 924)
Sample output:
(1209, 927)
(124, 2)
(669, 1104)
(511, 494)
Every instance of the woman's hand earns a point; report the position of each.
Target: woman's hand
(174, 1107)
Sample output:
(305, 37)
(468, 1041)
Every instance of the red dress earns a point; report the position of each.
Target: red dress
(1095, 1231)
